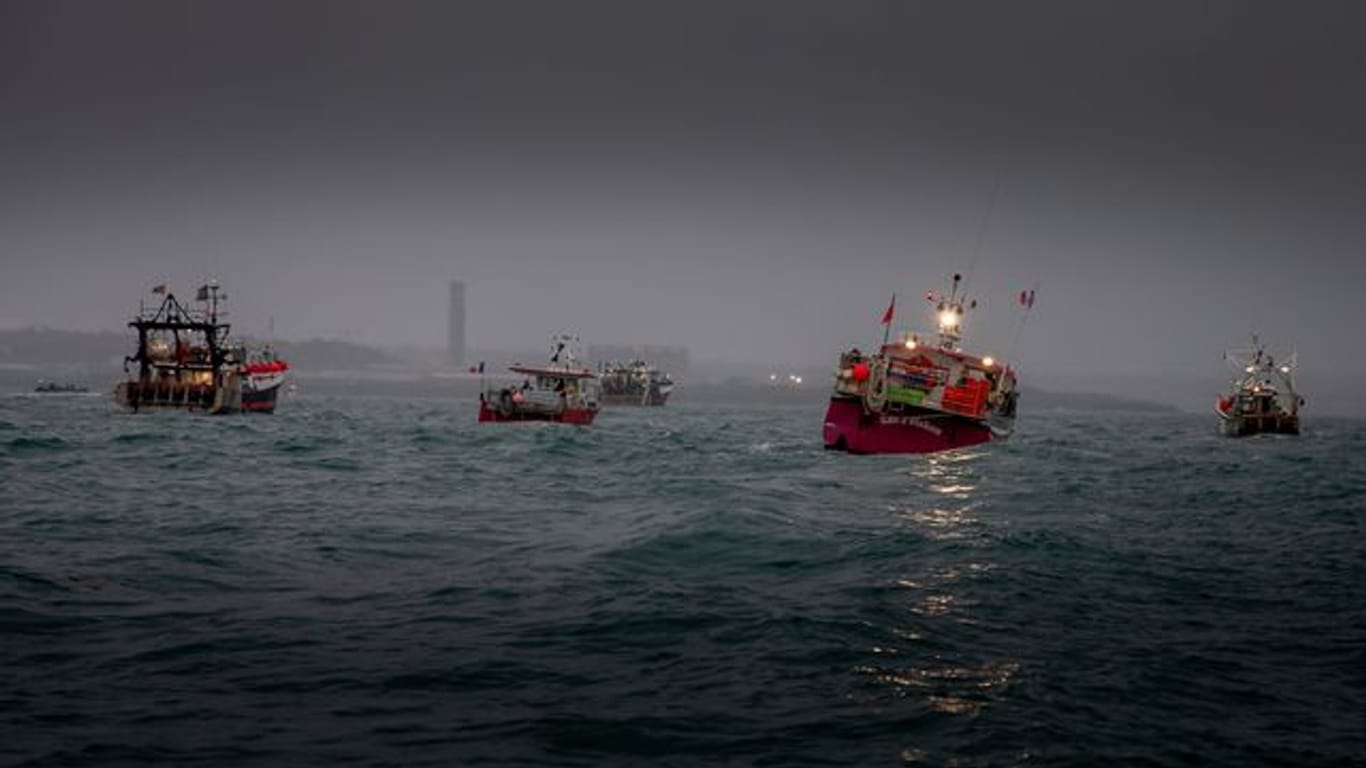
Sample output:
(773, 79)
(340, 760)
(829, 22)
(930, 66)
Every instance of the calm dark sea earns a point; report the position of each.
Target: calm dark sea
(385, 582)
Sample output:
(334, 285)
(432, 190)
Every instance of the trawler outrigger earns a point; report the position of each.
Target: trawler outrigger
(1262, 397)
(921, 395)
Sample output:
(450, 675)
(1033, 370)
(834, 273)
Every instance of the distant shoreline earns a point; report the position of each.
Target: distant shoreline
(464, 386)
(338, 367)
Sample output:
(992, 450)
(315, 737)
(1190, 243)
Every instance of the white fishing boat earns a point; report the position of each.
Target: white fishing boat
(1262, 397)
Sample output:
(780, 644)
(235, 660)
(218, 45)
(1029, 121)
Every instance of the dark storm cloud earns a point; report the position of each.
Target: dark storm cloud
(747, 178)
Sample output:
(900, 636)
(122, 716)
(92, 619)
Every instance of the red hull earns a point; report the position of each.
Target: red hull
(580, 416)
(849, 427)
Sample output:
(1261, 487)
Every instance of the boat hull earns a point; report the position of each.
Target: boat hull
(262, 398)
(635, 398)
(1268, 424)
(906, 429)
(145, 395)
(1257, 413)
(579, 416)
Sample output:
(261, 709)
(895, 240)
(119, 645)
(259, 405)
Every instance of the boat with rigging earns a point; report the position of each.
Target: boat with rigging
(185, 360)
(561, 391)
(922, 395)
(634, 383)
(1262, 398)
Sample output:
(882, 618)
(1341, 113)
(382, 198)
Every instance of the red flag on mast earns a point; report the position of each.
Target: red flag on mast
(891, 309)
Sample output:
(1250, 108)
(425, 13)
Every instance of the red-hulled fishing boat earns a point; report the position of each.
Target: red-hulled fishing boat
(562, 391)
(922, 395)
(264, 378)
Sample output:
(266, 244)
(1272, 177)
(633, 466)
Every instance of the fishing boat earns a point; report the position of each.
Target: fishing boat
(634, 383)
(1262, 397)
(265, 377)
(922, 395)
(562, 391)
(55, 388)
(184, 359)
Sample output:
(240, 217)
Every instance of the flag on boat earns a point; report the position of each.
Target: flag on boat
(160, 288)
(203, 294)
(891, 309)
(1027, 299)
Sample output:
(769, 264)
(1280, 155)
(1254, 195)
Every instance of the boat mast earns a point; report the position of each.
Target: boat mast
(951, 311)
(206, 322)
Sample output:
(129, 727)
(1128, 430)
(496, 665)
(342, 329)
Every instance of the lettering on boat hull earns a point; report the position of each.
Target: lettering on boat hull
(919, 422)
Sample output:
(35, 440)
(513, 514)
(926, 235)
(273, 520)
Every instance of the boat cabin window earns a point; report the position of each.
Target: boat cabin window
(555, 383)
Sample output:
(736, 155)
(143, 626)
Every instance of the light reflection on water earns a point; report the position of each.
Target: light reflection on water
(943, 507)
(942, 524)
(950, 689)
(946, 496)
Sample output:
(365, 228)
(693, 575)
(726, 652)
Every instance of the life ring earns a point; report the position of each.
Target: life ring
(875, 391)
(505, 402)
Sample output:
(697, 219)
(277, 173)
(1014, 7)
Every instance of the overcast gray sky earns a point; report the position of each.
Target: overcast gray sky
(751, 179)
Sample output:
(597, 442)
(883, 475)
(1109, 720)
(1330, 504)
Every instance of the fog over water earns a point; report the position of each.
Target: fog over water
(751, 180)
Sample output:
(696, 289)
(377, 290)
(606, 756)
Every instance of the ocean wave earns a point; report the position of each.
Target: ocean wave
(383, 581)
(28, 445)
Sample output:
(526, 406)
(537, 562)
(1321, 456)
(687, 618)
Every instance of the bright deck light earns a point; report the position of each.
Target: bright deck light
(910, 343)
(948, 318)
(987, 362)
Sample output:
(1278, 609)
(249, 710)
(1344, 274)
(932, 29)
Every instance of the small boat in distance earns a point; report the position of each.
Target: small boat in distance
(1262, 396)
(53, 388)
(921, 395)
(562, 391)
(634, 383)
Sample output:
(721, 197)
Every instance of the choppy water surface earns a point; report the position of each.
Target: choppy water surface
(386, 582)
